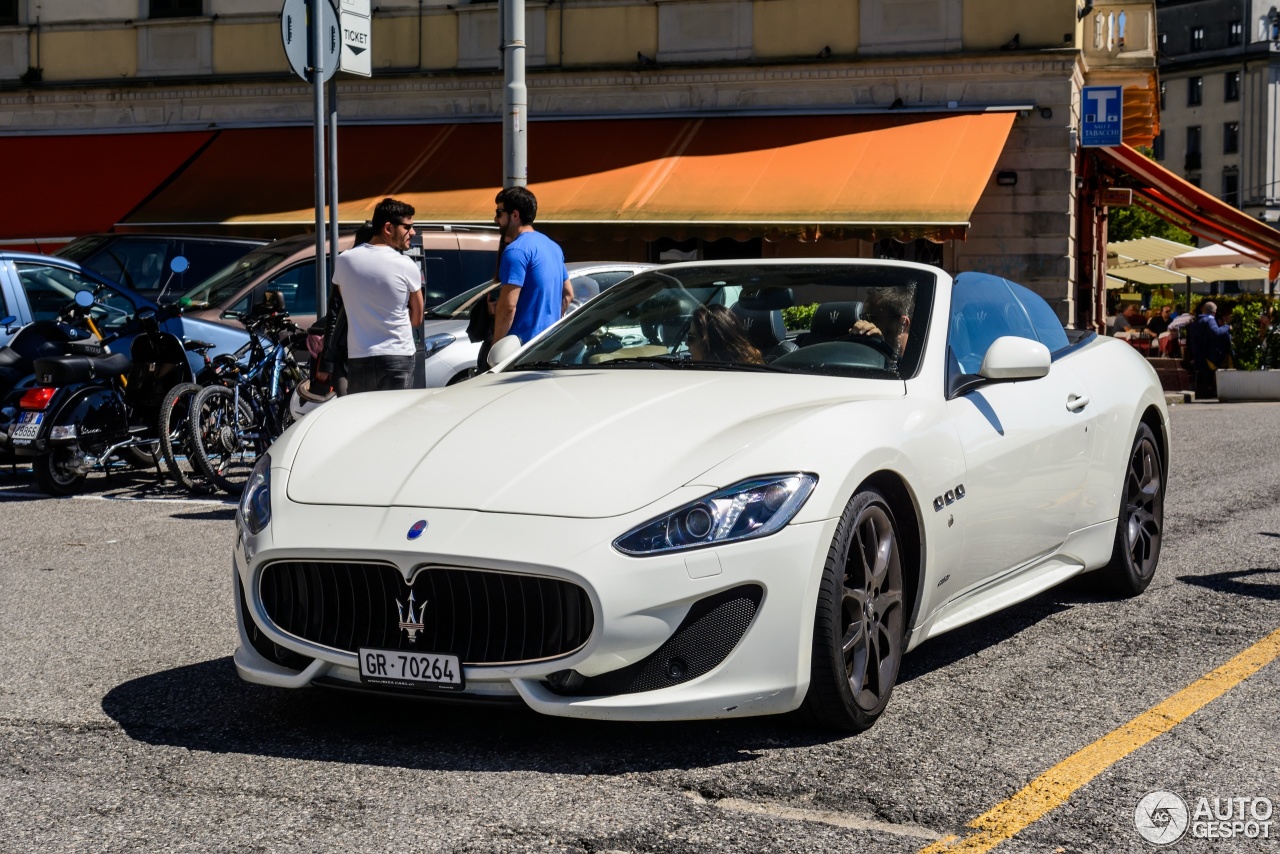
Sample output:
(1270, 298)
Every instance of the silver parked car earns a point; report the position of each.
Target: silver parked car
(450, 355)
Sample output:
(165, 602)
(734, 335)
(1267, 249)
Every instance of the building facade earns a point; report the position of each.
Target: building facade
(102, 68)
(1220, 99)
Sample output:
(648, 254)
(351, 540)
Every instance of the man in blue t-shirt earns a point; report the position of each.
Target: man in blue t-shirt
(535, 289)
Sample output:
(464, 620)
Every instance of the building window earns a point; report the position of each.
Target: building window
(1231, 188)
(1197, 38)
(1235, 34)
(177, 8)
(1157, 146)
(1232, 89)
(1192, 162)
(8, 13)
(1195, 90)
(1231, 138)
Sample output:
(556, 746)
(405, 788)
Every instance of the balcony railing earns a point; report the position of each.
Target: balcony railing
(1120, 33)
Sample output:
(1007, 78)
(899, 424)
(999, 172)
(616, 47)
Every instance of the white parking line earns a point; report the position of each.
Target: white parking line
(818, 816)
(221, 502)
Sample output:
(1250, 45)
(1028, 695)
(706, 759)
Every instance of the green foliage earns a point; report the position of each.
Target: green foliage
(1133, 222)
(1158, 302)
(799, 316)
(1244, 331)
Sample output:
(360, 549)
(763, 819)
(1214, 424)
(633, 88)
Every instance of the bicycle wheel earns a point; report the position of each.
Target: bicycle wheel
(223, 440)
(175, 437)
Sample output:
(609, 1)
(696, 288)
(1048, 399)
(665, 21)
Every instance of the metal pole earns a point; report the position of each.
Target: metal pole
(322, 306)
(316, 21)
(515, 97)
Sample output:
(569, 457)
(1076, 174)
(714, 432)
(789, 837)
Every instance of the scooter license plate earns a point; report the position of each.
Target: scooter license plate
(28, 426)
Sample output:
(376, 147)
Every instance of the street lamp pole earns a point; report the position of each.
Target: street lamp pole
(515, 97)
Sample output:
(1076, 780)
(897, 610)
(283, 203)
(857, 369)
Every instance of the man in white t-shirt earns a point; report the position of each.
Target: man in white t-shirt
(382, 298)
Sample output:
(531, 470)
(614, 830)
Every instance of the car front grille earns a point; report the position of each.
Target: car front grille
(484, 618)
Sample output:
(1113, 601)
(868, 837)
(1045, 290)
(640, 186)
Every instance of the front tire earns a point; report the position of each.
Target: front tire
(54, 475)
(859, 628)
(1140, 529)
(223, 438)
(175, 437)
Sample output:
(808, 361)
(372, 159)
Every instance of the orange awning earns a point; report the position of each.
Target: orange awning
(1187, 206)
(869, 175)
(67, 186)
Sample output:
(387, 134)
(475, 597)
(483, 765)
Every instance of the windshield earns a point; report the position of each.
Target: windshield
(835, 319)
(225, 283)
(460, 306)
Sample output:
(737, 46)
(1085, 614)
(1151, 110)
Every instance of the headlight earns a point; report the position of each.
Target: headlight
(752, 508)
(254, 512)
(433, 344)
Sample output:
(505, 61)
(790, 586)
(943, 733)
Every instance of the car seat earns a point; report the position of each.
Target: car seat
(831, 321)
(765, 330)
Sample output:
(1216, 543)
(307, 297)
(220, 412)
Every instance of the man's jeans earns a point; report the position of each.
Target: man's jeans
(379, 373)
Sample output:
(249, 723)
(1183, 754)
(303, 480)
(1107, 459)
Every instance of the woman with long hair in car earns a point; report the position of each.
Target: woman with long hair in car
(715, 335)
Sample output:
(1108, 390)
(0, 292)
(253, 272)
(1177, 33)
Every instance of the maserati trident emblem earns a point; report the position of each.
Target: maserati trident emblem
(412, 623)
(417, 529)
(835, 315)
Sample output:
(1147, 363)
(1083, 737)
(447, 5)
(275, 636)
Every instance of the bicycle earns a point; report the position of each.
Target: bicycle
(234, 421)
(176, 446)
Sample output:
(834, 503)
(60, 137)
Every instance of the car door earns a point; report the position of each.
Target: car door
(1027, 443)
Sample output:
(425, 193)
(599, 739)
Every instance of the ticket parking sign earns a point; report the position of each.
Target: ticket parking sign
(357, 38)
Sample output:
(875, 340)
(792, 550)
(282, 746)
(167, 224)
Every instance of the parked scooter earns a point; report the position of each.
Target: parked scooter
(86, 411)
(67, 335)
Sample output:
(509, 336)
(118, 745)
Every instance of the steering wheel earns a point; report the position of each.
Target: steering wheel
(874, 342)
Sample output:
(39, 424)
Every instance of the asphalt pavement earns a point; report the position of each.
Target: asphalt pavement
(123, 726)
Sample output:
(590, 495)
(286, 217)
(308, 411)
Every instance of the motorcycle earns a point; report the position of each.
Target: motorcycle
(66, 335)
(86, 411)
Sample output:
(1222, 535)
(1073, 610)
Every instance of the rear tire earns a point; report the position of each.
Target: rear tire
(223, 451)
(1140, 528)
(859, 628)
(52, 475)
(175, 438)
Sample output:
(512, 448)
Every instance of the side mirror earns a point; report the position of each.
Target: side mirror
(1014, 358)
(84, 299)
(503, 349)
(179, 264)
(8, 322)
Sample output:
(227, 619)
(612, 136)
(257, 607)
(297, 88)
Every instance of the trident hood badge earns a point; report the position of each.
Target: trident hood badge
(409, 621)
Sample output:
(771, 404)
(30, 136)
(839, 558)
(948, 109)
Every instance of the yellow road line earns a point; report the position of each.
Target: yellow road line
(1052, 788)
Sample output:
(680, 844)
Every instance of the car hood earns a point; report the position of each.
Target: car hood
(581, 443)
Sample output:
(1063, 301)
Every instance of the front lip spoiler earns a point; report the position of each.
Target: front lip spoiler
(510, 701)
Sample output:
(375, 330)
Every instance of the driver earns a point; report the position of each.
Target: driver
(887, 315)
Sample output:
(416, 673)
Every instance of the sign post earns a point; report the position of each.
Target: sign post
(309, 29)
(1101, 116)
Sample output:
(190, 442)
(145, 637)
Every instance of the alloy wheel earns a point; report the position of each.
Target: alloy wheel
(872, 609)
(1144, 507)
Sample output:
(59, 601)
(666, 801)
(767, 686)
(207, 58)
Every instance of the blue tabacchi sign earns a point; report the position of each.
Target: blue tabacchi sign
(1101, 116)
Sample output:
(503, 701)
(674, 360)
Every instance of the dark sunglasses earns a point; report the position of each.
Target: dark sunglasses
(405, 225)
(501, 211)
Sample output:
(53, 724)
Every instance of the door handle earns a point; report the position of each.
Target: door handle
(1076, 402)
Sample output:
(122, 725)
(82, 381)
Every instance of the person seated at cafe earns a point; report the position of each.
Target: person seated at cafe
(1128, 319)
(1159, 320)
(715, 335)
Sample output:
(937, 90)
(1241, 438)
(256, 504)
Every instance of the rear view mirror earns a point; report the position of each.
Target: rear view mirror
(1013, 358)
(503, 349)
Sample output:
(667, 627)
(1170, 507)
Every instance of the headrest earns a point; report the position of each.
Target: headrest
(836, 318)
(764, 329)
(584, 288)
(766, 299)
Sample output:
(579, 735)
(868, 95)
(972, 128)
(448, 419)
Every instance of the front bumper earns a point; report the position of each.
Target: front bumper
(638, 605)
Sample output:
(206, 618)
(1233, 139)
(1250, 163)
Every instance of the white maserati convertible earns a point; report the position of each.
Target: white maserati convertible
(719, 489)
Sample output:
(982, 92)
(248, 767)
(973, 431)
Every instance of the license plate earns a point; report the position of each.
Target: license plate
(27, 428)
(410, 669)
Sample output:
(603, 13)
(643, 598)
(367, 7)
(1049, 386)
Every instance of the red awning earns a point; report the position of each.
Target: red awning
(1187, 206)
(870, 175)
(67, 186)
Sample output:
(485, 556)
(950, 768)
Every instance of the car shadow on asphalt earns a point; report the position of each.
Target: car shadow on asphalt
(1259, 582)
(207, 707)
